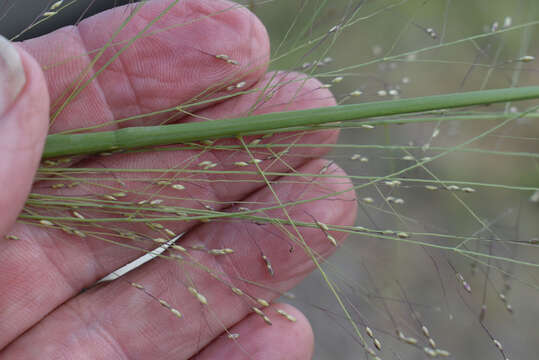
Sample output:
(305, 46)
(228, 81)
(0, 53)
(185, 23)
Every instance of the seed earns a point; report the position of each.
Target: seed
(392, 183)
(233, 336)
(332, 240)
(355, 157)
(160, 240)
(176, 312)
(498, 344)
(367, 126)
(334, 28)
(50, 163)
(267, 320)
(337, 80)
(322, 226)
(164, 303)
(79, 233)
(169, 232)
(527, 59)
(431, 33)
(403, 235)
(268, 264)
(262, 302)
(370, 351)
(410, 340)
(408, 158)
(431, 187)
(356, 93)
(109, 197)
(179, 248)
(369, 332)
(178, 187)
(237, 291)
(368, 200)
(201, 298)
(377, 344)
(137, 285)
(443, 353)
(468, 190)
(258, 311)
(286, 315)
(156, 202)
(452, 187)
(119, 194)
(220, 251)
(432, 343)
(204, 163)
(240, 84)
(79, 215)
(46, 223)
(425, 331)
(56, 5)
(241, 163)
(11, 237)
(430, 352)
(49, 13)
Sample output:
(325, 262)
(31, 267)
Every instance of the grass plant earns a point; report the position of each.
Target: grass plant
(437, 113)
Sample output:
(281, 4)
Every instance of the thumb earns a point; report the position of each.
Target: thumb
(24, 114)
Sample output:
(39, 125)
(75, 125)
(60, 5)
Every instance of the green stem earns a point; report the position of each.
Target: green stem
(135, 137)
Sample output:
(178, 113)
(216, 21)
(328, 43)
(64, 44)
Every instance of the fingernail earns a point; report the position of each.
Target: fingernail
(12, 75)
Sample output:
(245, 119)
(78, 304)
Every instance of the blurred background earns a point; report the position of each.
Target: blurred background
(384, 49)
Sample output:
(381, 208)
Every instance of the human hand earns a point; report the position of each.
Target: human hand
(43, 313)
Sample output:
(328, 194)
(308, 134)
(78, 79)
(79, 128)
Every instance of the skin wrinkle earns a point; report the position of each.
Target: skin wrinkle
(91, 329)
(219, 69)
(93, 110)
(190, 71)
(98, 86)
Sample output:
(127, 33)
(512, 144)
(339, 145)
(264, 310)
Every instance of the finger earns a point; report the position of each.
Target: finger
(115, 317)
(49, 266)
(253, 339)
(171, 63)
(24, 109)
